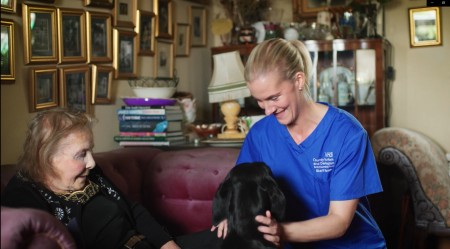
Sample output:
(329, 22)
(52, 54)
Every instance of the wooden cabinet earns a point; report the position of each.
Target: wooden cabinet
(348, 74)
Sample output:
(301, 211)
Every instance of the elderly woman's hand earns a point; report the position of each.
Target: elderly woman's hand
(270, 228)
(222, 229)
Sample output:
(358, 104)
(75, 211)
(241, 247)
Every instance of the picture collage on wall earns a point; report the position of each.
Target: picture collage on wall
(74, 54)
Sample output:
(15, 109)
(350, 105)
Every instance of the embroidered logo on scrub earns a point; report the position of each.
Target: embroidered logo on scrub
(324, 164)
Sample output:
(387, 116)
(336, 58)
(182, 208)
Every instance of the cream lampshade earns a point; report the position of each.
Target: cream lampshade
(228, 84)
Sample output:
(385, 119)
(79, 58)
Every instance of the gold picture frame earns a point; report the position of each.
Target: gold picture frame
(425, 27)
(182, 39)
(43, 88)
(74, 88)
(125, 54)
(197, 20)
(40, 37)
(164, 59)
(124, 13)
(72, 35)
(8, 6)
(102, 77)
(99, 3)
(145, 28)
(8, 68)
(99, 37)
(164, 15)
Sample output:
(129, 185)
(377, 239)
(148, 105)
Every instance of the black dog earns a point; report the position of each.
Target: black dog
(247, 191)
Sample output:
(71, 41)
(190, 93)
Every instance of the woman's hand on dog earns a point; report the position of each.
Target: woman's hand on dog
(271, 228)
(222, 229)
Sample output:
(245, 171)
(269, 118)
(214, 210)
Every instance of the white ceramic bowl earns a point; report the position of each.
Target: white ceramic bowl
(154, 92)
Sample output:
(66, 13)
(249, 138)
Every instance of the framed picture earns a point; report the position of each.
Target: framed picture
(164, 15)
(99, 3)
(40, 34)
(8, 69)
(308, 9)
(44, 88)
(197, 17)
(45, 1)
(124, 13)
(125, 55)
(164, 59)
(182, 39)
(102, 77)
(425, 26)
(72, 35)
(145, 27)
(206, 2)
(75, 88)
(99, 37)
(8, 6)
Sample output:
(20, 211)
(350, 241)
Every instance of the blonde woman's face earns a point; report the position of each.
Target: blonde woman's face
(71, 163)
(277, 96)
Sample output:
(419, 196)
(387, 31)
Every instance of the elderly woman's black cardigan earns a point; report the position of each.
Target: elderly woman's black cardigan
(22, 192)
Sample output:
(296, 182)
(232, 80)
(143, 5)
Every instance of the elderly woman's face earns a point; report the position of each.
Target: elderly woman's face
(72, 162)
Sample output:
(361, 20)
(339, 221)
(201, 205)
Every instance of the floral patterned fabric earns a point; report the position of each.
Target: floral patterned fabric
(428, 160)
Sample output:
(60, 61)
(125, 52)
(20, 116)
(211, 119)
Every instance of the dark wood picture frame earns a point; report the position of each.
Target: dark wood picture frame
(164, 59)
(40, 37)
(75, 90)
(182, 39)
(146, 28)
(164, 18)
(197, 20)
(43, 88)
(125, 54)
(99, 37)
(102, 77)
(308, 9)
(72, 35)
(8, 67)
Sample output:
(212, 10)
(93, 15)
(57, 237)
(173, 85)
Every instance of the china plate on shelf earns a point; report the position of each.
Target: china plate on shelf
(136, 101)
(215, 142)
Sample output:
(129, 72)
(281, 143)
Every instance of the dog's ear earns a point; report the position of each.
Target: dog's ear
(221, 201)
(277, 198)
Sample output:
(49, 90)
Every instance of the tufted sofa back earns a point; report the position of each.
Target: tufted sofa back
(180, 186)
(125, 167)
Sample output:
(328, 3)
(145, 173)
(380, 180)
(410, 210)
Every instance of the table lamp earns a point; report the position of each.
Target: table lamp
(228, 84)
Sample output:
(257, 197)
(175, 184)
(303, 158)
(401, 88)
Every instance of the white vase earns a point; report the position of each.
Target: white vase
(291, 34)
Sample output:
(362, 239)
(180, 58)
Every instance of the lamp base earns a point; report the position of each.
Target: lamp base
(231, 135)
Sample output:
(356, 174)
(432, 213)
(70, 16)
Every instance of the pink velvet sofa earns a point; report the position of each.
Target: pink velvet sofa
(176, 186)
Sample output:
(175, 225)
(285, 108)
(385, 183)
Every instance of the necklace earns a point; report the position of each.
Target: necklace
(81, 196)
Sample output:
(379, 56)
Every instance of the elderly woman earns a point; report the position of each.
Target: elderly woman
(58, 174)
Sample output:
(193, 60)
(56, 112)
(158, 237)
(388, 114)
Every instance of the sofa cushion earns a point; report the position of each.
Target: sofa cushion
(180, 186)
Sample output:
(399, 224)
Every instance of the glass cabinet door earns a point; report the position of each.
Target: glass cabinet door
(348, 74)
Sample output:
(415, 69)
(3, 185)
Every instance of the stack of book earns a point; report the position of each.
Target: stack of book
(150, 126)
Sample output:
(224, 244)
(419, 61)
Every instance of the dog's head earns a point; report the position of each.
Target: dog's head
(247, 191)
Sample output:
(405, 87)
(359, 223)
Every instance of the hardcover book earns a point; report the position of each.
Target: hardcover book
(151, 126)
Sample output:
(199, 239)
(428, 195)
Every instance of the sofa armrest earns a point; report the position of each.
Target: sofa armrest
(125, 167)
(425, 168)
(180, 186)
(33, 229)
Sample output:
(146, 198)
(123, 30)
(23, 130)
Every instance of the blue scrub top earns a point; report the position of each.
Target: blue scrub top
(335, 162)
